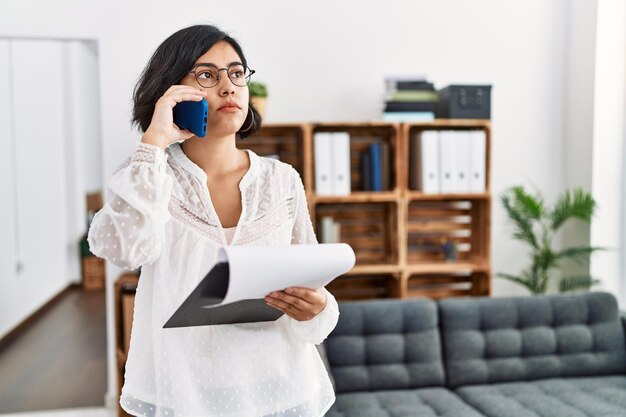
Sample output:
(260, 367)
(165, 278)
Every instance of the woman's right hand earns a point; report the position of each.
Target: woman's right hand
(162, 131)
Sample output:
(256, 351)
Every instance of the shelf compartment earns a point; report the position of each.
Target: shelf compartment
(361, 137)
(364, 287)
(409, 161)
(284, 141)
(442, 285)
(430, 223)
(369, 228)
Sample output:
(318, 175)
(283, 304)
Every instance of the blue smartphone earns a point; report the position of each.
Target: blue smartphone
(192, 115)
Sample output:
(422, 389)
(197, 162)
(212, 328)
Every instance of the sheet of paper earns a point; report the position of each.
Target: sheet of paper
(256, 271)
(233, 290)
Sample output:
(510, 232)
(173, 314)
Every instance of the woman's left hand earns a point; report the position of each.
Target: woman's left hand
(297, 302)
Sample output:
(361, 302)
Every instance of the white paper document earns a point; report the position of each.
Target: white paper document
(233, 291)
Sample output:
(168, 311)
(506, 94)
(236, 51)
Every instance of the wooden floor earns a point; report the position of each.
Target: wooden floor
(60, 360)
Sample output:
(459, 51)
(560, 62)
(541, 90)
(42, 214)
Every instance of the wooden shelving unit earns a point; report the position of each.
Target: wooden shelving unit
(384, 228)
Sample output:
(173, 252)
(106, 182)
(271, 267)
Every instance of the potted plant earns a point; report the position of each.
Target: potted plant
(258, 96)
(536, 225)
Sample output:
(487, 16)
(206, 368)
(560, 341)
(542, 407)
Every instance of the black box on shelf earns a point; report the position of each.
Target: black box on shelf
(464, 102)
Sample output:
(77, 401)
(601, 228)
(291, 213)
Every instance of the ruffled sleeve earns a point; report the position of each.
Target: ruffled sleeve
(128, 230)
(317, 329)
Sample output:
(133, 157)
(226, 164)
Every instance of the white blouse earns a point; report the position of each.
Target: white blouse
(159, 216)
(230, 233)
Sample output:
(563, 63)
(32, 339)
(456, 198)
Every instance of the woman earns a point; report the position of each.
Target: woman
(170, 207)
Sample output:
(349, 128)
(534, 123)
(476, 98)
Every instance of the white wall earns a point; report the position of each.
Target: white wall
(37, 188)
(623, 190)
(46, 139)
(83, 141)
(608, 144)
(528, 118)
(8, 209)
(578, 121)
(303, 51)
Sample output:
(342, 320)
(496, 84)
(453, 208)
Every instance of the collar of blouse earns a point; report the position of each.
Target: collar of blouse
(179, 156)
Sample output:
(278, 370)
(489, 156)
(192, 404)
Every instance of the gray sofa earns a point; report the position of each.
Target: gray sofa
(547, 356)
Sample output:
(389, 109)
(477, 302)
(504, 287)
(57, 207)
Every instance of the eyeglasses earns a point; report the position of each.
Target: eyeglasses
(208, 75)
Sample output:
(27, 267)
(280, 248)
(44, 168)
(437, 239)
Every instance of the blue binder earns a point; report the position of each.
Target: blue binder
(377, 179)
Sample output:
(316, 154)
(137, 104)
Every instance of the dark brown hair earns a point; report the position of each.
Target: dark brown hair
(170, 63)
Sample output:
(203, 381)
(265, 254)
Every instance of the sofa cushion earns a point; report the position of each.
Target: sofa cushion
(385, 344)
(424, 402)
(489, 340)
(602, 396)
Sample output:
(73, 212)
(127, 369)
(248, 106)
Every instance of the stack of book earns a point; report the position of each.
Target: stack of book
(375, 167)
(409, 99)
(448, 161)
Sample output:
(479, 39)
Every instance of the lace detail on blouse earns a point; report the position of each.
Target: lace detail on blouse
(268, 222)
(149, 154)
(181, 212)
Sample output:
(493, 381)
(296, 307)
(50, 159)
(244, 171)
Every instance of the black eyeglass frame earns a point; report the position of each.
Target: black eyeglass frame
(227, 69)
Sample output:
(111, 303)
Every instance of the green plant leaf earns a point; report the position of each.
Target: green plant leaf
(509, 276)
(577, 282)
(538, 277)
(518, 280)
(524, 228)
(536, 225)
(545, 258)
(526, 279)
(531, 206)
(257, 89)
(579, 254)
(573, 204)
